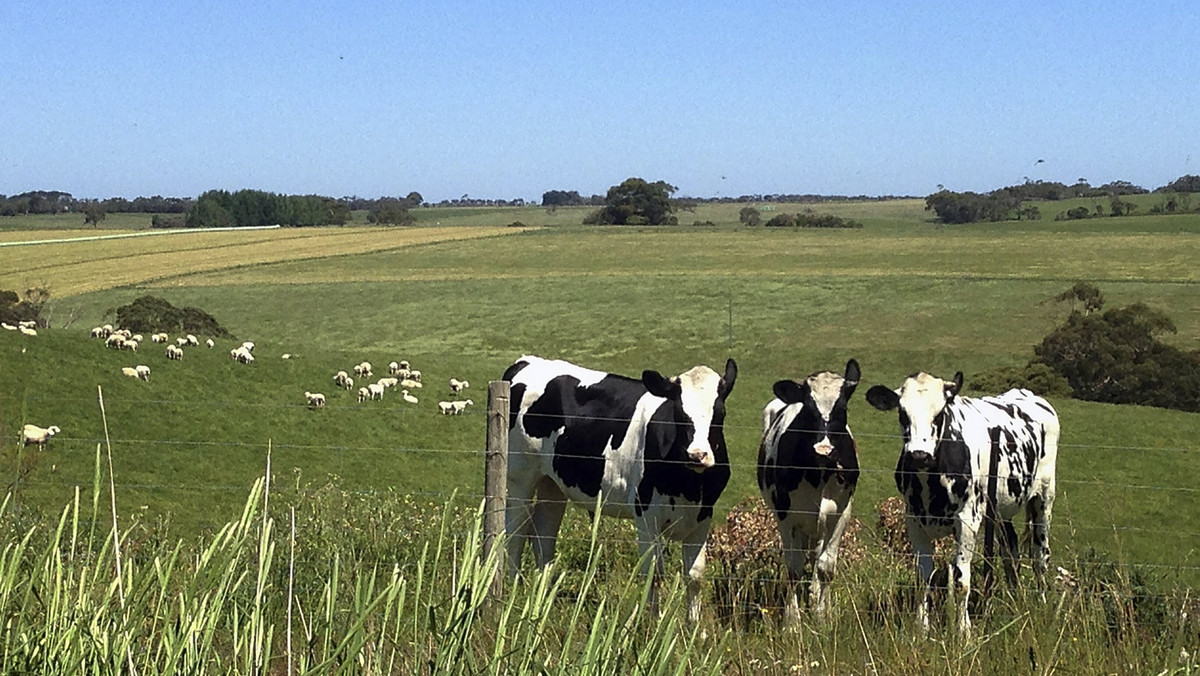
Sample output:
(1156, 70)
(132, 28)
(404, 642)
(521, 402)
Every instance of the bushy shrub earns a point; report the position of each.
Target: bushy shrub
(151, 313)
(1035, 377)
(25, 307)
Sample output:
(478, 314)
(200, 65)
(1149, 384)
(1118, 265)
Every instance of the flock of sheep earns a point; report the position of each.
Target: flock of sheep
(400, 373)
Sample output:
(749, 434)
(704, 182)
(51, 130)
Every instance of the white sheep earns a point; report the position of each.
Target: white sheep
(315, 399)
(210, 343)
(32, 434)
(27, 331)
(376, 390)
(114, 340)
(191, 340)
(348, 383)
(446, 407)
(129, 371)
(457, 386)
(249, 346)
(407, 397)
(392, 368)
(286, 355)
(339, 378)
(130, 344)
(137, 337)
(460, 406)
(414, 375)
(181, 341)
(27, 324)
(158, 338)
(143, 372)
(363, 394)
(389, 382)
(96, 332)
(242, 355)
(363, 369)
(409, 384)
(7, 327)
(174, 352)
(108, 329)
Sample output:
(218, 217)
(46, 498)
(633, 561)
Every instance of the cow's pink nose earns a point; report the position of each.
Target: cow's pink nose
(702, 457)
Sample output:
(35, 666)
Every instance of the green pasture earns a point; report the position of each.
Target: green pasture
(781, 302)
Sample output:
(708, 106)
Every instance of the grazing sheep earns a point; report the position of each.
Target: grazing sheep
(389, 382)
(181, 341)
(241, 354)
(404, 365)
(174, 352)
(410, 384)
(129, 371)
(315, 399)
(407, 397)
(158, 338)
(446, 407)
(130, 344)
(363, 394)
(96, 332)
(7, 327)
(348, 383)
(339, 378)
(27, 324)
(114, 340)
(460, 406)
(457, 386)
(143, 372)
(108, 329)
(210, 343)
(137, 337)
(191, 340)
(414, 375)
(27, 331)
(392, 368)
(286, 355)
(32, 434)
(376, 390)
(249, 346)
(363, 369)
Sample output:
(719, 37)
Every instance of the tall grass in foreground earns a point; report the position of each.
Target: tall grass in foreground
(236, 602)
(311, 596)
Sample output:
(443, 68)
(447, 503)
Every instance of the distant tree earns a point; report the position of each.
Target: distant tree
(93, 213)
(1029, 213)
(1116, 357)
(414, 199)
(22, 308)
(1084, 298)
(208, 213)
(750, 216)
(561, 198)
(637, 202)
(151, 313)
(391, 214)
(1185, 183)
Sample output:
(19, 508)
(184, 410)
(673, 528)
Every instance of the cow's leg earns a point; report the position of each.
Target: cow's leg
(922, 548)
(1038, 512)
(795, 557)
(548, 512)
(1008, 551)
(694, 562)
(650, 550)
(966, 529)
(518, 511)
(834, 527)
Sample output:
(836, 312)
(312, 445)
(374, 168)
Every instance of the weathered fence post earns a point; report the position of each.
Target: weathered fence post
(495, 480)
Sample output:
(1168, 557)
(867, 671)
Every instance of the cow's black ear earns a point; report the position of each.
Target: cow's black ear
(730, 375)
(790, 392)
(883, 397)
(850, 380)
(660, 386)
(953, 387)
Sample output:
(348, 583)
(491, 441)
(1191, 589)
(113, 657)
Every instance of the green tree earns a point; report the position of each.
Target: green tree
(637, 202)
(93, 213)
(750, 216)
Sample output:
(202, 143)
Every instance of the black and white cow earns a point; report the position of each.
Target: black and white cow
(965, 460)
(653, 448)
(807, 472)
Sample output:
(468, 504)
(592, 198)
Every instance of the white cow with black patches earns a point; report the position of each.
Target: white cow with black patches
(964, 460)
(649, 449)
(807, 472)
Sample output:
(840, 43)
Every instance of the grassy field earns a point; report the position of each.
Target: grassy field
(901, 294)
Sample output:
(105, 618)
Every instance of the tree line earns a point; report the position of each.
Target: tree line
(1013, 202)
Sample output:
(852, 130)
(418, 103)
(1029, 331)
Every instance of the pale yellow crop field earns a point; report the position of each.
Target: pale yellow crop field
(67, 267)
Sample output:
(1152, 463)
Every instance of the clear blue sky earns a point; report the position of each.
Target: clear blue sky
(510, 99)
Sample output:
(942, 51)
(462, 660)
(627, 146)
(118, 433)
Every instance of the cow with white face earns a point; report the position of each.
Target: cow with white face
(969, 462)
(649, 449)
(807, 472)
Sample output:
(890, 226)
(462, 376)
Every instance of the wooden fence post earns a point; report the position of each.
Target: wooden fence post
(495, 488)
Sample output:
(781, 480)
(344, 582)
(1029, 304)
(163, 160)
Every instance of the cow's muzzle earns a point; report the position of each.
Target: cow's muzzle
(701, 459)
(921, 459)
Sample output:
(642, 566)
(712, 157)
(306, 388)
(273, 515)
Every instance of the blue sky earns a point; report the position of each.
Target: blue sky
(511, 99)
